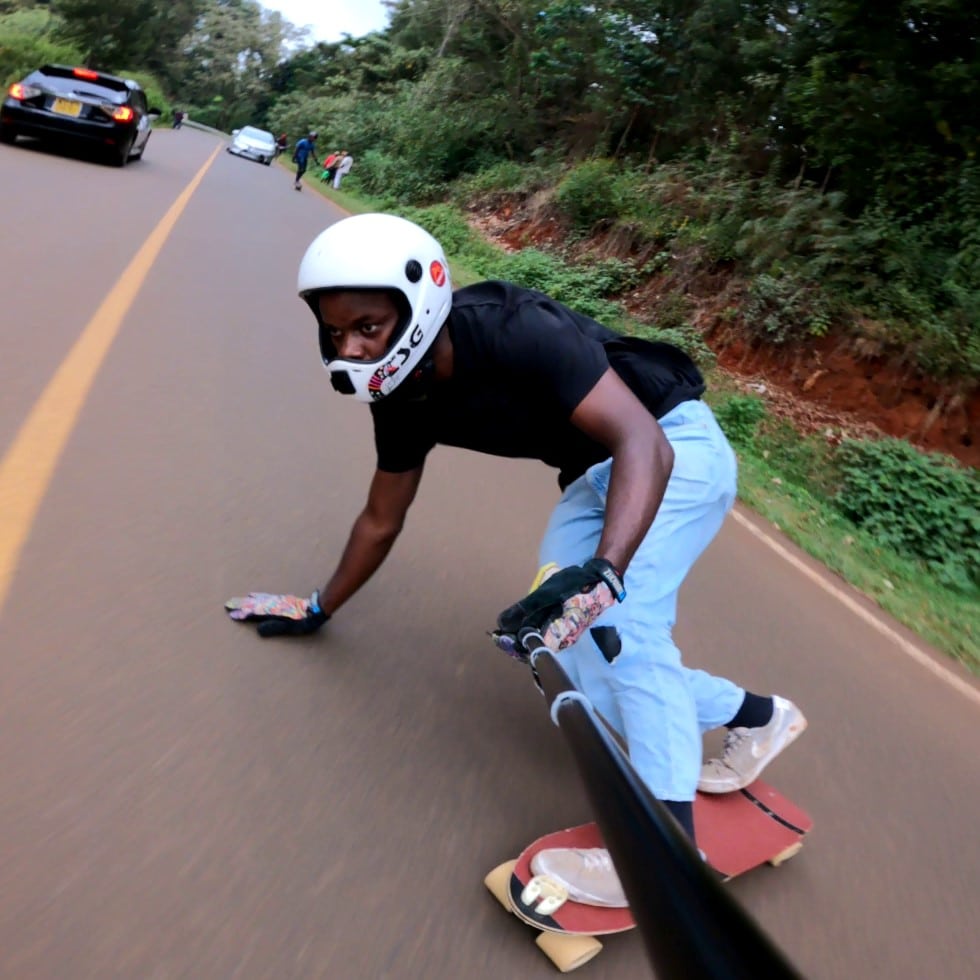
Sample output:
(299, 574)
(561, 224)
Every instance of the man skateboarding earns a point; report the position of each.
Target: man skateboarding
(646, 476)
(305, 148)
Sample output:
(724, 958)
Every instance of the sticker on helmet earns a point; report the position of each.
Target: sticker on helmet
(437, 272)
(382, 382)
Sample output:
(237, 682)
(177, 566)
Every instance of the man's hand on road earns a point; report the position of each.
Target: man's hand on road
(279, 615)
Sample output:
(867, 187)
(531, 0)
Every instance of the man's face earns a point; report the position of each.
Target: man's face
(359, 322)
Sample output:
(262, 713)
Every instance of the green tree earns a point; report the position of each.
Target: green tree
(225, 64)
(114, 34)
(881, 99)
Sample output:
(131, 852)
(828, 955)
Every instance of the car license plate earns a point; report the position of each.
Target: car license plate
(66, 107)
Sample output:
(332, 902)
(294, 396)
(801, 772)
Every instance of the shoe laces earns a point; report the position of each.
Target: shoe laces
(597, 860)
(733, 739)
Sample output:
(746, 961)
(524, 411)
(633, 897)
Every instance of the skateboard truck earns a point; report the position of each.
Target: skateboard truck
(548, 893)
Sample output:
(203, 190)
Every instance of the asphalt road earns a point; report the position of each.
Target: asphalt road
(181, 799)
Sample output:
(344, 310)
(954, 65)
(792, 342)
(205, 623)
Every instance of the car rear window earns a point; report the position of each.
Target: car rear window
(62, 80)
(257, 134)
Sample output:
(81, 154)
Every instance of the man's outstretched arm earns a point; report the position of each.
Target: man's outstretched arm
(371, 538)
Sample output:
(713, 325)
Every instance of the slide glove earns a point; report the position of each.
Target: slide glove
(279, 615)
(562, 592)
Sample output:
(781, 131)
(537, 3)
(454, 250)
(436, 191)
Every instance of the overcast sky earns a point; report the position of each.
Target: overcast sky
(329, 19)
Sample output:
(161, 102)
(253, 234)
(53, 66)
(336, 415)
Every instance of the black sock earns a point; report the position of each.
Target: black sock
(755, 712)
(683, 813)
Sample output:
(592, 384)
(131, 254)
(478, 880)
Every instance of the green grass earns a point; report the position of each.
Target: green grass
(947, 619)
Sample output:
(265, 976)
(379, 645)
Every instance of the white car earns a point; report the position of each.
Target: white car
(256, 144)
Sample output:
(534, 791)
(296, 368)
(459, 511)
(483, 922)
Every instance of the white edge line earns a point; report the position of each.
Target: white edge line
(910, 649)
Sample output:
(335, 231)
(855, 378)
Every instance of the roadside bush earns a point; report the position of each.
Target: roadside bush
(921, 276)
(739, 417)
(916, 273)
(586, 195)
(612, 276)
(502, 178)
(785, 307)
(806, 461)
(648, 200)
(574, 286)
(922, 505)
(386, 178)
(457, 238)
(21, 53)
(504, 175)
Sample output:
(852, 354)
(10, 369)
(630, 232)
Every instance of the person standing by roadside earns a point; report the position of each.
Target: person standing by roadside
(305, 148)
(342, 168)
(329, 163)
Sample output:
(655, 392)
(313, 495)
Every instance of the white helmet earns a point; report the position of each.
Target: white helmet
(379, 251)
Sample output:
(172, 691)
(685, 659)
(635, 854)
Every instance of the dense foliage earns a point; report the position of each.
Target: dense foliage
(918, 505)
(921, 506)
(824, 151)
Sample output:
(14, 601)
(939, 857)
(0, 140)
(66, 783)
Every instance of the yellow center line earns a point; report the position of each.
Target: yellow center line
(27, 467)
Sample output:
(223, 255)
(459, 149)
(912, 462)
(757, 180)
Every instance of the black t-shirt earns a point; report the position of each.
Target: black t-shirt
(522, 363)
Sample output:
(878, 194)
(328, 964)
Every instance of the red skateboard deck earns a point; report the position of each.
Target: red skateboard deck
(737, 831)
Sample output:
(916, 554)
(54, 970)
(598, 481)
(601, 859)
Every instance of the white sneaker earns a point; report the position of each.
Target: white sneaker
(587, 873)
(748, 751)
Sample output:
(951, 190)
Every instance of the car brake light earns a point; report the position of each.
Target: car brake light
(20, 91)
(85, 73)
(119, 113)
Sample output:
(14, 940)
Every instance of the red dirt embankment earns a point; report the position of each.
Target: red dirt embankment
(827, 383)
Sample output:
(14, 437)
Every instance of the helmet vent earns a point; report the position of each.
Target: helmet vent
(341, 382)
(413, 270)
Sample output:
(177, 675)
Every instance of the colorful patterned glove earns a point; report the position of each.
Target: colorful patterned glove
(562, 605)
(577, 615)
(546, 603)
(279, 615)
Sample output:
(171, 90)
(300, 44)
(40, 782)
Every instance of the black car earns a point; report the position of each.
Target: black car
(58, 102)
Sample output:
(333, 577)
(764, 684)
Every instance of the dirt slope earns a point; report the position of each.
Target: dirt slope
(830, 384)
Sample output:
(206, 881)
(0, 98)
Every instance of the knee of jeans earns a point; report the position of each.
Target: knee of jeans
(642, 659)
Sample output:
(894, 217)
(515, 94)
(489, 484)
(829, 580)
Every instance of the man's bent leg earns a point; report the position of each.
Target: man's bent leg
(628, 665)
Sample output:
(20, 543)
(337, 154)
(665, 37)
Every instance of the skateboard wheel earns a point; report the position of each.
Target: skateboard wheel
(566, 951)
(498, 883)
(790, 851)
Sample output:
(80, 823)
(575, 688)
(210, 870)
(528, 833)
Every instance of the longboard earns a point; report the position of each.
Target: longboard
(737, 832)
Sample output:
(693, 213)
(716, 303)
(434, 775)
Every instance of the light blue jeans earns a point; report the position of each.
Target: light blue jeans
(657, 704)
